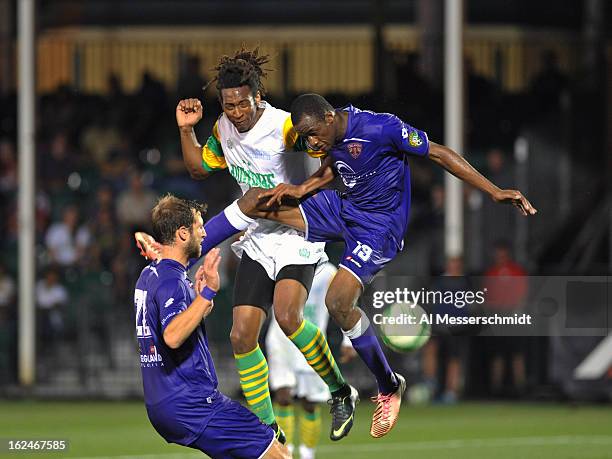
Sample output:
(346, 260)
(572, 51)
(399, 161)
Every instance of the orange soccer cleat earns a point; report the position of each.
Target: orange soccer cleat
(387, 410)
(149, 247)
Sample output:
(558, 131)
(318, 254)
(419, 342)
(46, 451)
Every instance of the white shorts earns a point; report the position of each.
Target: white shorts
(288, 368)
(275, 246)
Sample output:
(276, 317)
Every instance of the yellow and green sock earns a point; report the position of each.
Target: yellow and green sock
(310, 428)
(253, 372)
(313, 344)
(285, 417)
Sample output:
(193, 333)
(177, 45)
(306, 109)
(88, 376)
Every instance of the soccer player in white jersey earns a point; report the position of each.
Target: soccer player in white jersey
(291, 377)
(257, 143)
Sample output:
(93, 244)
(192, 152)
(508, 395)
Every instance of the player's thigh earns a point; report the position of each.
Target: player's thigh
(367, 252)
(253, 286)
(290, 293)
(234, 432)
(322, 216)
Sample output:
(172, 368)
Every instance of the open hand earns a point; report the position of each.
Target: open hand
(517, 199)
(277, 193)
(208, 273)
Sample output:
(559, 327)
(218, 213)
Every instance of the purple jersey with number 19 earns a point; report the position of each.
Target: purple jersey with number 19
(371, 216)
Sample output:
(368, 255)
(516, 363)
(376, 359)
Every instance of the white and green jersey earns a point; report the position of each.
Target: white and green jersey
(270, 153)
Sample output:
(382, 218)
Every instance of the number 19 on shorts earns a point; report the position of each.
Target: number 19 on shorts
(363, 251)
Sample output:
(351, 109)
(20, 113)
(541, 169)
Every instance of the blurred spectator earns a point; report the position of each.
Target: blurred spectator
(151, 105)
(435, 228)
(483, 107)
(134, 205)
(104, 237)
(190, 82)
(56, 163)
(548, 85)
(8, 313)
(506, 285)
(412, 88)
(51, 297)
(498, 221)
(99, 139)
(445, 353)
(65, 240)
(7, 296)
(8, 167)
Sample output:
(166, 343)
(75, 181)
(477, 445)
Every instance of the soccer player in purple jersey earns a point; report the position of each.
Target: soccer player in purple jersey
(178, 374)
(368, 150)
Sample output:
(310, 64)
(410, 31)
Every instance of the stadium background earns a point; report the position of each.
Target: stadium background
(108, 76)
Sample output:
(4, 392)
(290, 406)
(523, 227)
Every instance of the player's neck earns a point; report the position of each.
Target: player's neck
(342, 120)
(175, 253)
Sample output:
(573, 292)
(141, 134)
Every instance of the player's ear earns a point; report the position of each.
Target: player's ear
(329, 117)
(257, 98)
(183, 233)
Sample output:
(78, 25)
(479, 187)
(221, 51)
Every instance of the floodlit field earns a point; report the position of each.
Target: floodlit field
(465, 431)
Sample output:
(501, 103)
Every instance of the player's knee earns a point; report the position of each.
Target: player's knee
(241, 340)
(337, 302)
(289, 319)
(283, 396)
(309, 407)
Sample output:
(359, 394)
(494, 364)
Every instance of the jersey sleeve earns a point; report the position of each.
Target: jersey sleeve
(171, 300)
(212, 152)
(406, 138)
(294, 142)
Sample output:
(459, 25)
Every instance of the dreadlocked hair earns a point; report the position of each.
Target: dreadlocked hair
(244, 68)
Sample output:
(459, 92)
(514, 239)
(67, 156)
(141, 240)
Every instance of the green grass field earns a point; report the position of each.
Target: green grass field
(465, 431)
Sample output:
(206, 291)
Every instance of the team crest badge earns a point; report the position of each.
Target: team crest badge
(414, 139)
(354, 148)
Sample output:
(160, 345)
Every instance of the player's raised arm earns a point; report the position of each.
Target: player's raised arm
(460, 168)
(188, 114)
(323, 176)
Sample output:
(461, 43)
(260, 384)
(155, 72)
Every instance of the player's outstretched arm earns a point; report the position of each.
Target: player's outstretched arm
(183, 324)
(460, 168)
(323, 176)
(188, 114)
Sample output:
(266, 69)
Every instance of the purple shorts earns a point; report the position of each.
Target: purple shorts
(231, 430)
(370, 244)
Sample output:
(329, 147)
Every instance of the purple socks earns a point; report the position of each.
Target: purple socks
(368, 348)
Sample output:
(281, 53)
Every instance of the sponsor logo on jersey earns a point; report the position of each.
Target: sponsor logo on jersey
(152, 358)
(354, 148)
(415, 139)
(248, 177)
(169, 302)
(230, 144)
(260, 154)
(348, 175)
